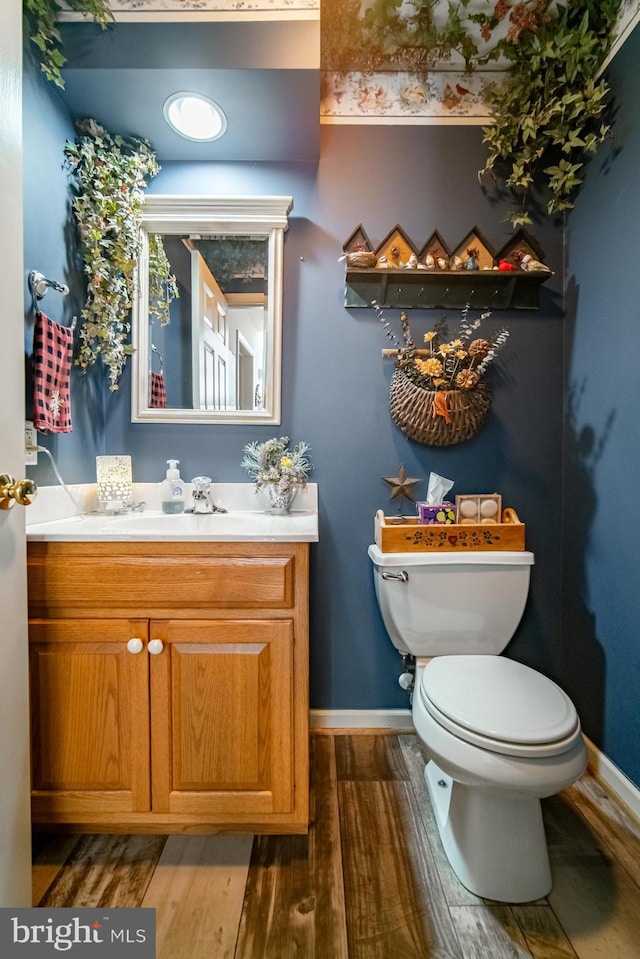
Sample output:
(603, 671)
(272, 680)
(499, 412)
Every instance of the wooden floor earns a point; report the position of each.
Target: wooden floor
(370, 881)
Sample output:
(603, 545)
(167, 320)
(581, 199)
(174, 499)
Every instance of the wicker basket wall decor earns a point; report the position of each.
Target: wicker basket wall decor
(437, 418)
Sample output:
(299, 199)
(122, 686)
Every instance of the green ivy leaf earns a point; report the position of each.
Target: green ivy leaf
(42, 16)
(109, 174)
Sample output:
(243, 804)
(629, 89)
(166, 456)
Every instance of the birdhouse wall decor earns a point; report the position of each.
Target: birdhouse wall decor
(435, 249)
(358, 251)
(473, 253)
(395, 251)
(398, 273)
(521, 242)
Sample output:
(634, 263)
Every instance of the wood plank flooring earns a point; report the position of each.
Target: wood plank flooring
(369, 881)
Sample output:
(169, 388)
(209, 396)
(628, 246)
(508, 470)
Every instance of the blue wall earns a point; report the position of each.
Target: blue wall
(335, 390)
(601, 607)
(49, 247)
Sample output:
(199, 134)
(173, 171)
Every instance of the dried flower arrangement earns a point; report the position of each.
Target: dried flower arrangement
(272, 463)
(438, 395)
(447, 364)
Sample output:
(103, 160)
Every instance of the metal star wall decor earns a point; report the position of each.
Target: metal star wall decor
(401, 485)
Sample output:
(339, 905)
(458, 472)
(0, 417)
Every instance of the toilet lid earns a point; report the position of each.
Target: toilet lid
(499, 704)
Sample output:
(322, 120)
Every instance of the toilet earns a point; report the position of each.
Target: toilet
(500, 736)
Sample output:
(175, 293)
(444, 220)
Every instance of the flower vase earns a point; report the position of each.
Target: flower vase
(281, 497)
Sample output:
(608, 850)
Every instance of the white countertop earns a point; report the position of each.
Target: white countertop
(248, 519)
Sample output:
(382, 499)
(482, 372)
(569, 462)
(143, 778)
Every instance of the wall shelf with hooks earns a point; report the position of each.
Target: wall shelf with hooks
(454, 289)
(397, 273)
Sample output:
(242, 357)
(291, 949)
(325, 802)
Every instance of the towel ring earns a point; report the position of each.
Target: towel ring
(38, 286)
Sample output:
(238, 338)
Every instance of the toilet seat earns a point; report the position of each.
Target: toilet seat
(500, 705)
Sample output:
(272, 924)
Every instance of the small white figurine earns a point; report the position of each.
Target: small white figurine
(531, 266)
(412, 263)
(429, 261)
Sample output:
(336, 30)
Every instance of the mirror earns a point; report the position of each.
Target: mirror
(207, 316)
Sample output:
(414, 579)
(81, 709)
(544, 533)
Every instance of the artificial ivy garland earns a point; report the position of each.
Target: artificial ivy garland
(548, 112)
(163, 287)
(110, 176)
(42, 16)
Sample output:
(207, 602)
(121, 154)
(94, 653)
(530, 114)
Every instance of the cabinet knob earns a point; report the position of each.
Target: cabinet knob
(135, 645)
(155, 646)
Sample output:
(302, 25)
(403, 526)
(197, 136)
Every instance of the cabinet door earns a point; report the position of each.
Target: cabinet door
(222, 717)
(90, 719)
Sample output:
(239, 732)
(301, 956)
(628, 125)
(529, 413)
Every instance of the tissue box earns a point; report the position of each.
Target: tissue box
(441, 514)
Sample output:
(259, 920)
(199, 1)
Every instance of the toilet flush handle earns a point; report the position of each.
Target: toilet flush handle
(402, 576)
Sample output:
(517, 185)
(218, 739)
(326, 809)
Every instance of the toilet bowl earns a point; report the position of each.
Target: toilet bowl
(500, 736)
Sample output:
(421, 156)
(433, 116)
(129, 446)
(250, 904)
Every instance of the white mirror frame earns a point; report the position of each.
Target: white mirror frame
(236, 215)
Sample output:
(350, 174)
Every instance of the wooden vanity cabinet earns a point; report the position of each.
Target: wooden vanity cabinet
(169, 686)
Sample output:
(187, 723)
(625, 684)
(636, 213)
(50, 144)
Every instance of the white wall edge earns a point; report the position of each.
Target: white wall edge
(628, 20)
(615, 780)
(361, 719)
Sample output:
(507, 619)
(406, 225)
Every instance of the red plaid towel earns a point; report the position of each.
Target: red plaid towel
(158, 392)
(52, 355)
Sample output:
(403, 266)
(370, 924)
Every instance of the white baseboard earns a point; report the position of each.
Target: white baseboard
(613, 778)
(361, 719)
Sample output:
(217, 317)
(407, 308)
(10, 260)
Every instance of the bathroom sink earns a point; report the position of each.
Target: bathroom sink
(202, 524)
(234, 526)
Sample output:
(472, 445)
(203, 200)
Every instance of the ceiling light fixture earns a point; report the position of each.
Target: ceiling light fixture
(194, 116)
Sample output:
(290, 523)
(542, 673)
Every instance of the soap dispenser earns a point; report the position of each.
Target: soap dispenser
(172, 491)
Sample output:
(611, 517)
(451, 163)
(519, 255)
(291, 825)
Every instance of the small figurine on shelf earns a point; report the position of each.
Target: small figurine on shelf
(412, 263)
(472, 258)
(360, 256)
(443, 263)
(530, 265)
(430, 261)
(506, 265)
(456, 263)
(394, 260)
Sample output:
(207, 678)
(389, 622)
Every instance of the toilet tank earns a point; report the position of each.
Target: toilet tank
(450, 603)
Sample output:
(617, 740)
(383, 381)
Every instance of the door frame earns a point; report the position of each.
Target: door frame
(15, 822)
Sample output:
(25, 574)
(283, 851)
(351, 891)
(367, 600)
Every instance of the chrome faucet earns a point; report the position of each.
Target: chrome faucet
(202, 502)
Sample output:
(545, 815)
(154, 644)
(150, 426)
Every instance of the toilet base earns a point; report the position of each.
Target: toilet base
(496, 847)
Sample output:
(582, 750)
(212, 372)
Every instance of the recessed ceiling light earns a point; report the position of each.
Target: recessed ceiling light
(194, 116)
